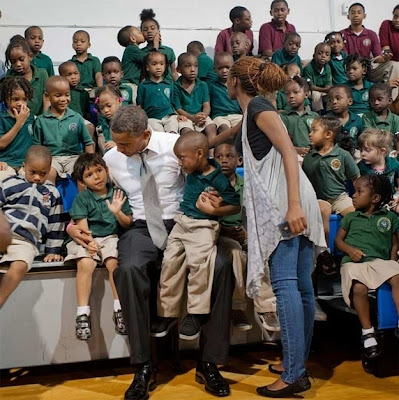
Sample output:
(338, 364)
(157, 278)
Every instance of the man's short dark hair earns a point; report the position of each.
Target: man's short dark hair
(129, 119)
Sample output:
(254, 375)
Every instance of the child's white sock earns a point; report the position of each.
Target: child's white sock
(83, 310)
(369, 342)
(117, 305)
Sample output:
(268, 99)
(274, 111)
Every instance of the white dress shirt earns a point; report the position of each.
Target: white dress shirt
(125, 172)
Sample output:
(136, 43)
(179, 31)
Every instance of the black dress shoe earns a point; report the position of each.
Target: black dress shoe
(161, 326)
(143, 382)
(208, 374)
(372, 351)
(273, 370)
(299, 386)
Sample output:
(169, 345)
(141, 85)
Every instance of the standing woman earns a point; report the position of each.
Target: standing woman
(284, 222)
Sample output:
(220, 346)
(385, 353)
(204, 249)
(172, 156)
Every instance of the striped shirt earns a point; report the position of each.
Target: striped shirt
(34, 212)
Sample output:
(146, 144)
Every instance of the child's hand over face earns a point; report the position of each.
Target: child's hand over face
(355, 254)
(3, 166)
(22, 115)
(117, 202)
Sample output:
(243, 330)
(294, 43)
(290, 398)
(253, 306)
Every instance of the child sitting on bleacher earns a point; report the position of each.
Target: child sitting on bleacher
(102, 210)
(155, 94)
(225, 112)
(33, 208)
(16, 125)
(206, 71)
(240, 45)
(368, 237)
(89, 66)
(34, 38)
(290, 70)
(336, 42)
(62, 130)
(289, 52)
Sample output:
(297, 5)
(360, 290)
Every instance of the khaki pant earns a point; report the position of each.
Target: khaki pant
(166, 124)
(191, 247)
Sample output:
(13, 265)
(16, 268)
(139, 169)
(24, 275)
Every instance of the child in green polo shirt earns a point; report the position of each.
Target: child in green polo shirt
(357, 70)
(16, 125)
(34, 38)
(368, 237)
(336, 42)
(318, 73)
(225, 112)
(380, 116)
(150, 28)
(289, 52)
(206, 70)
(19, 57)
(340, 98)
(296, 119)
(191, 98)
(191, 245)
(240, 45)
(154, 95)
(102, 210)
(62, 130)
(88, 65)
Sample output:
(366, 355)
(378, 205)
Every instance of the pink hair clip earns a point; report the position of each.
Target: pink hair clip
(96, 100)
(121, 99)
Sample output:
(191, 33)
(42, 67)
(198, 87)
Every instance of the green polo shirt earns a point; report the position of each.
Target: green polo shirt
(321, 78)
(206, 70)
(371, 234)
(103, 126)
(360, 97)
(390, 124)
(391, 170)
(196, 184)
(282, 104)
(170, 56)
(127, 94)
(221, 104)
(156, 98)
(281, 57)
(38, 82)
(193, 102)
(14, 153)
(298, 126)
(93, 207)
(65, 136)
(88, 69)
(337, 68)
(43, 61)
(132, 63)
(235, 219)
(328, 173)
(354, 126)
(80, 101)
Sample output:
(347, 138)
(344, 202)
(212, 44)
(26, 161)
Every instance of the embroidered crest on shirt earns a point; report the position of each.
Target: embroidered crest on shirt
(73, 126)
(30, 129)
(384, 224)
(366, 42)
(336, 164)
(125, 94)
(353, 132)
(167, 92)
(46, 199)
(309, 122)
(365, 96)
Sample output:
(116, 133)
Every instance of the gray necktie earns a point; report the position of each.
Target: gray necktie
(152, 207)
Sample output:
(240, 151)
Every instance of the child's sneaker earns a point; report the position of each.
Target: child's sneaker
(268, 321)
(83, 327)
(240, 320)
(120, 327)
(191, 326)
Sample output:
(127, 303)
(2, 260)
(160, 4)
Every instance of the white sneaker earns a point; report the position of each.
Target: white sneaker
(268, 321)
(319, 314)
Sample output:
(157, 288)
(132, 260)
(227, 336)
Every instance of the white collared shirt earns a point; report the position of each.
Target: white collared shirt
(125, 172)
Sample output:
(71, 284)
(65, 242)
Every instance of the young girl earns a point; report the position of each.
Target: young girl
(154, 95)
(338, 56)
(108, 100)
(375, 146)
(368, 238)
(16, 125)
(19, 57)
(297, 120)
(284, 221)
(150, 28)
(357, 69)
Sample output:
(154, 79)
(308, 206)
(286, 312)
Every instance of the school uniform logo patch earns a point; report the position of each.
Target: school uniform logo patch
(309, 122)
(125, 94)
(365, 96)
(166, 92)
(353, 132)
(366, 42)
(30, 129)
(384, 224)
(73, 126)
(336, 164)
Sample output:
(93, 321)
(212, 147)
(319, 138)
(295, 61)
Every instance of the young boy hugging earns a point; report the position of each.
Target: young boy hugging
(33, 208)
(112, 72)
(318, 73)
(206, 71)
(225, 112)
(328, 167)
(191, 98)
(62, 130)
(34, 38)
(289, 52)
(102, 210)
(89, 66)
(239, 45)
(271, 34)
(192, 243)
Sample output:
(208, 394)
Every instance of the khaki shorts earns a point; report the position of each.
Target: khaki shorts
(341, 203)
(229, 120)
(63, 165)
(166, 124)
(20, 249)
(189, 124)
(107, 247)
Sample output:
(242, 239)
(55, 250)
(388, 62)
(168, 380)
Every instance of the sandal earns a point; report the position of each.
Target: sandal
(83, 327)
(326, 263)
(120, 327)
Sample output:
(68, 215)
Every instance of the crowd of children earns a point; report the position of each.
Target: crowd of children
(338, 111)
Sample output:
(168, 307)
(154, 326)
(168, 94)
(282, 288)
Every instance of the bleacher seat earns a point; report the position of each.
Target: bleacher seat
(386, 310)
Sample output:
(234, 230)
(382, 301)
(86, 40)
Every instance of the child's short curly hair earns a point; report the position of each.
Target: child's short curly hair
(376, 138)
(8, 85)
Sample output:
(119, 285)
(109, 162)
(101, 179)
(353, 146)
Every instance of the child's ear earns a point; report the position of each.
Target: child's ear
(81, 183)
(307, 95)
(239, 162)
(89, 45)
(390, 100)
(178, 69)
(383, 150)
(350, 101)
(376, 198)
(46, 95)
